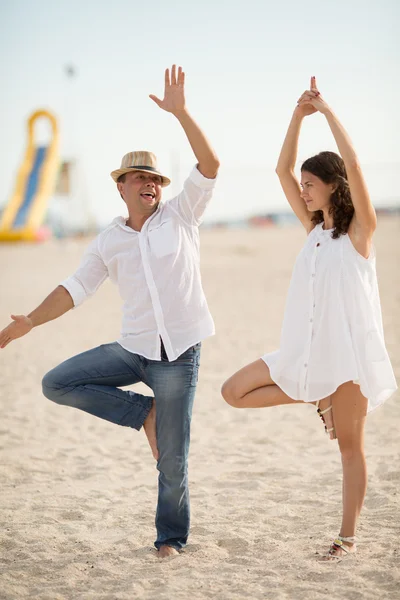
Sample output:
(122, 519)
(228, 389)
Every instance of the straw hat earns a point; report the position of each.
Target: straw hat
(139, 161)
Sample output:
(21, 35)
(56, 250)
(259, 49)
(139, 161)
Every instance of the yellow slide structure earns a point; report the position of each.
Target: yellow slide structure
(25, 212)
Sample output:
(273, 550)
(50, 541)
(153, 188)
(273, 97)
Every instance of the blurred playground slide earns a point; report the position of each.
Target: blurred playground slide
(24, 214)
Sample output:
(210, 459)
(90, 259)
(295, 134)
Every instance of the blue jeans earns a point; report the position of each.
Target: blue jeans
(90, 381)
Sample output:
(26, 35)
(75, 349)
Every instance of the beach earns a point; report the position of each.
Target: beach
(78, 494)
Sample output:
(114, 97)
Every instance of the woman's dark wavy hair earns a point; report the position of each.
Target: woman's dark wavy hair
(329, 167)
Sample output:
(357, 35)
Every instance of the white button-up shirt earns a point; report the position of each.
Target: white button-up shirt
(157, 271)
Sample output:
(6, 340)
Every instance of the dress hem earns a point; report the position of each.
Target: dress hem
(383, 396)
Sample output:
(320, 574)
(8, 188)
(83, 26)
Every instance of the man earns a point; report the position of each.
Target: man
(153, 257)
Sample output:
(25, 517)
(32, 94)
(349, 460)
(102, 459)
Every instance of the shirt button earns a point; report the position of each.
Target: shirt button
(311, 320)
(312, 274)
(305, 364)
(318, 244)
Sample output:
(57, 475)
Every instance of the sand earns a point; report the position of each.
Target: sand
(78, 494)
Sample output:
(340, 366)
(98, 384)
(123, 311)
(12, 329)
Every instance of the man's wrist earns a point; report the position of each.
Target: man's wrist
(181, 114)
(31, 318)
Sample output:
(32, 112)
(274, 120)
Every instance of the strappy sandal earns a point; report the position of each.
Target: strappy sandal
(338, 544)
(321, 414)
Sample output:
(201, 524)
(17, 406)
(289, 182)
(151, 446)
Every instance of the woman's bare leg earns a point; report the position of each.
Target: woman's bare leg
(349, 414)
(252, 387)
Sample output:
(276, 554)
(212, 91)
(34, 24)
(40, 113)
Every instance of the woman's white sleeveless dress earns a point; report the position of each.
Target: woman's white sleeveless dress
(332, 329)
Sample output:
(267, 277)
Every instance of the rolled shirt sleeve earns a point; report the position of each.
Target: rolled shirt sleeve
(192, 201)
(89, 276)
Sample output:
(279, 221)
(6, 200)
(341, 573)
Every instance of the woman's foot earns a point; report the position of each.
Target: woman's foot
(324, 409)
(149, 427)
(340, 548)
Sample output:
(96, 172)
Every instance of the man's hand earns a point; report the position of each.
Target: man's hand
(174, 92)
(58, 302)
(174, 102)
(21, 326)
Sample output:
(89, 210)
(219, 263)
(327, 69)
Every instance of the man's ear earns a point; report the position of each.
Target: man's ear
(120, 188)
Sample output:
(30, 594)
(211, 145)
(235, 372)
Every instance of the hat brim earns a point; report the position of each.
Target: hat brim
(116, 174)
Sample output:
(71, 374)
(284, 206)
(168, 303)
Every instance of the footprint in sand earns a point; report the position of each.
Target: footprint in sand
(72, 515)
(234, 546)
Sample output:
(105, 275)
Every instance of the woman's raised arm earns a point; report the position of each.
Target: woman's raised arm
(286, 163)
(364, 221)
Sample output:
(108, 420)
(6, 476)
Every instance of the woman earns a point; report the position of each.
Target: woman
(332, 351)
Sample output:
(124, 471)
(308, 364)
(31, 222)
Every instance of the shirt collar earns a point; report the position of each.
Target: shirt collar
(121, 221)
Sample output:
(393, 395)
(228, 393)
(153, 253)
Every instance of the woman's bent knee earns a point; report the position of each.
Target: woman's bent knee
(228, 394)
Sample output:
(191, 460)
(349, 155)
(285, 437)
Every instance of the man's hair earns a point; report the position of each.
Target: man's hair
(121, 178)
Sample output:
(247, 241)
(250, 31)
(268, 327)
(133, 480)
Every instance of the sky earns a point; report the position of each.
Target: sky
(246, 63)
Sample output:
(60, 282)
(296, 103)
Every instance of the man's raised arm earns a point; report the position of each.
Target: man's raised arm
(174, 102)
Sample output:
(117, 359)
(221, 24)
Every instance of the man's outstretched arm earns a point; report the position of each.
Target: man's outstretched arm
(56, 304)
(72, 292)
(174, 102)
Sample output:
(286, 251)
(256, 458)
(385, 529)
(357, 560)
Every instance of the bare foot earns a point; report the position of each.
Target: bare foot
(150, 430)
(166, 551)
